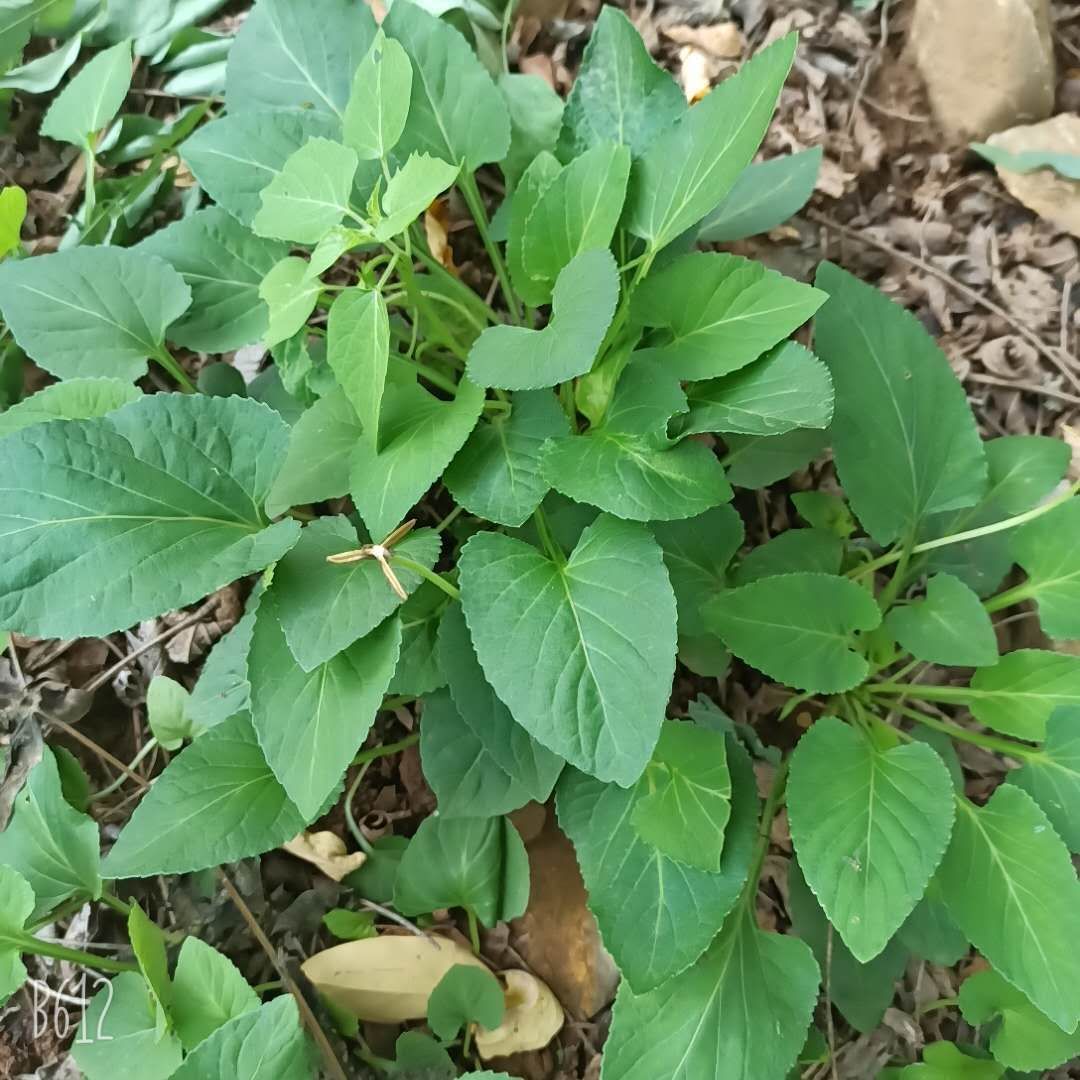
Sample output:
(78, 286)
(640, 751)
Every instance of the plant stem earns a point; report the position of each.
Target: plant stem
(170, 364)
(471, 194)
(27, 943)
(895, 584)
(1009, 597)
(450, 518)
(772, 804)
(428, 575)
(116, 904)
(976, 738)
(474, 930)
(436, 378)
(547, 538)
(364, 757)
(147, 747)
(361, 840)
(90, 192)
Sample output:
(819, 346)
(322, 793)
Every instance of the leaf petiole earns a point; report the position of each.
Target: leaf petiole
(429, 575)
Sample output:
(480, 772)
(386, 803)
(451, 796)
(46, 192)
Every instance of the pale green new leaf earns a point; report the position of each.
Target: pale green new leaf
(16, 906)
(1017, 695)
(163, 498)
(741, 1011)
(208, 991)
(323, 608)
(905, 440)
(540, 172)
(496, 474)
(311, 723)
(167, 712)
(686, 810)
(869, 850)
(1052, 776)
(949, 626)
(1010, 885)
(411, 190)
(358, 352)
(223, 264)
(215, 803)
(43, 74)
(656, 915)
(91, 99)
(722, 312)
(311, 193)
(73, 399)
(1046, 550)
(455, 112)
(49, 843)
(303, 58)
(565, 648)
(472, 862)
(12, 216)
(92, 310)
(289, 291)
(582, 305)
(797, 628)
(379, 102)
(689, 168)
(148, 945)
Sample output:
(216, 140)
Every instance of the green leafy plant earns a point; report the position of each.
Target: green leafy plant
(519, 511)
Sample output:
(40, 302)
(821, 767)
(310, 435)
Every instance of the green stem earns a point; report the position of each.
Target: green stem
(471, 193)
(547, 538)
(474, 930)
(772, 805)
(361, 840)
(90, 192)
(467, 295)
(1009, 597)
(454, 305)
(428, 575)
(895, 584)
(170, 364)
(119, 781)
(449, 519)
(644, 265)
(436, 378)
(27, 943)
(118, 905)
(376, 752)
(976, 738)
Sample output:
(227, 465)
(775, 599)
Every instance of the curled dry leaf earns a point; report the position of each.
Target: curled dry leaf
(437, 233)
(327, 851)
(386, 979)
(530, 1022)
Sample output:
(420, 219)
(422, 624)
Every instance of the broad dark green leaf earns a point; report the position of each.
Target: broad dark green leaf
(1046, 550)
(797, 628)
(208, 991)
(1052, 775)
(311, 723)
(475, 863)
(811, 551)
(1010, 885)
(465, 994)
(656, 915)
(379, 102)
(869, 850)
(583, 303)
(163, 498)
(905, 440)
(223, 690)
(300, 58)
(689, 168)
(619, 95)
(1020, 692)
(930, 932)
(215, 803)
(16, 906)
(948, 626)
(92, 311)
(418, 671)
(564, 647)
(358, 352)
(741, 1011)
(91, 99)
(72, 399)
(536, 112)
(754, 461)
(721, 312)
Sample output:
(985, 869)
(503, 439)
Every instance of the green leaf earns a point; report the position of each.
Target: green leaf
(119, 1039)
(235, 157)
(358, 352)
(689, 168)
(222, 689)
(496, 474)
(18, 19)
(721, 312)
(465, 993)
(92, 311)
(688, 804)
(825, 511)
(379, 102)
(949, 626)
(417, 1054)
(541, 171)
(311, 193)
(375, 879)
(474, 863)
(410, 191)
(289, 292)
(223, 264)
(455, 111)
(619, 95)
(628, 465)
(12, 216)
(945, 1061)
(536, 112)
(350, 925)
(582, 306)
(16, 906)
(870, 849)
(311, 723)
(930, 932)
(73, 399)
(285, 57)
(742, 1010)
(811, 551)
(208, 991)
(765, 195)
(1022, 1038)
(49, 843)
(266, 1042)
(755, 462)
(1066, 165)
(1045, 551)
(91, 99)
(797, 628)
(316, 466)
(905, 441)
(215, 803)
(786, 389)
(418, 671)
(324, 609)
(163, 526)
(564, 647)
(577, 212)
(1052, 776)
(1023, 470)
(419, 434)
(167, 712)
(656, 915)
(1010, 885)
(148, 945)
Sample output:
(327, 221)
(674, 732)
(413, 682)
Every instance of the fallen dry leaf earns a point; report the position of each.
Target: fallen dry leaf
(695, 73)
(386, 979)
(437, 232)
(327, 851)
(722, 40)
(530, 1022)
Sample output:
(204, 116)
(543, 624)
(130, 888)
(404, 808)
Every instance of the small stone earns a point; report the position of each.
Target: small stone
(987, 66)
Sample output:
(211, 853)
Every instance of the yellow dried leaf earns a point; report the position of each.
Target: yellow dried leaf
(327, 851)
(437, 232)
(386, 979)
(530, 1022)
